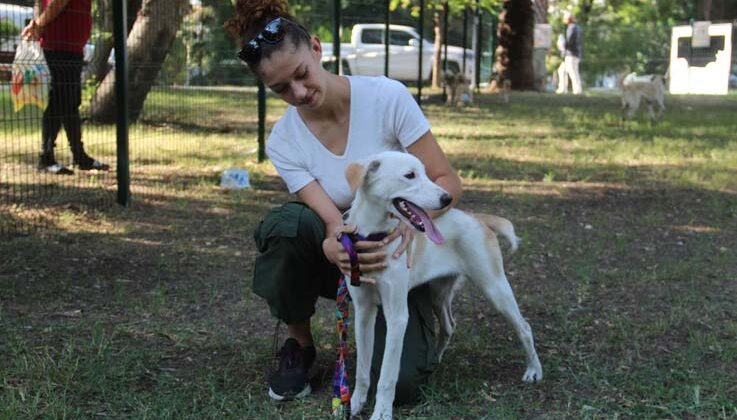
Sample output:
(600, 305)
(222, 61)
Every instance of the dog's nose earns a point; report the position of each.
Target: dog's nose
(445, 200)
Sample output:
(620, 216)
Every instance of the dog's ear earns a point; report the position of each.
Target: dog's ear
(354, 173)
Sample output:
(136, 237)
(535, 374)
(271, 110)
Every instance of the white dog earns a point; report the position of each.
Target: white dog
(635, 88)
(455, 246)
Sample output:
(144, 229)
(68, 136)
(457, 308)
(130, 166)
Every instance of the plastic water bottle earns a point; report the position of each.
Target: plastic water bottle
(234, 179)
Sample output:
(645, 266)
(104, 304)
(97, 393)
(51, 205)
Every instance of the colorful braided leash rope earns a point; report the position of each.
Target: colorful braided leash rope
(341, 391)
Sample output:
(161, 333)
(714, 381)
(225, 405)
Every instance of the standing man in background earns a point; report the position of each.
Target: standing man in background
(63, 27)
(574, 52)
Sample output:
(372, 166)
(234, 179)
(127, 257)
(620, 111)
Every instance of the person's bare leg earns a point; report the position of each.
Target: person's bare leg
(302, 332)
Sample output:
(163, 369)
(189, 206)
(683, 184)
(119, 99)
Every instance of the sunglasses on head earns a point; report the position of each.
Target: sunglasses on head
(273, 33)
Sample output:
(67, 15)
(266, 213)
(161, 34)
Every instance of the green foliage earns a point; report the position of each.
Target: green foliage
(196, 34)
(174, 69)
(455, 6)
(7, 29)
(317, 16)
(203, 52)
(224, 67)
(89, 87)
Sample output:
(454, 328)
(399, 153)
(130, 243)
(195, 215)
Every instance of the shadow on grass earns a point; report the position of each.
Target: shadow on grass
(153, 303)
(626, 279)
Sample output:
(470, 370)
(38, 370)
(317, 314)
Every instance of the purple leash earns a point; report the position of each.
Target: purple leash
(347, 240)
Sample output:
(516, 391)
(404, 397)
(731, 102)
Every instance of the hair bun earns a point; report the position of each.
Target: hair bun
(251, 15)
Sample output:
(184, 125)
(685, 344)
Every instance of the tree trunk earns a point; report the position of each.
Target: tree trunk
(149, 40)
(515, 33)
(541, 11)
(584, 12)
(437, 65)
(707, 9)
(104, 44)
(715, 10)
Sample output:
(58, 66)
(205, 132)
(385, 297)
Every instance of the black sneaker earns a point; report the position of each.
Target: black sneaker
(292, 380)
(87, 164)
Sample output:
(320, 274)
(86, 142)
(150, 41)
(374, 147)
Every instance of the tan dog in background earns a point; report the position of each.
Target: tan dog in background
(459, 87)
(649, 88)
(506, 90)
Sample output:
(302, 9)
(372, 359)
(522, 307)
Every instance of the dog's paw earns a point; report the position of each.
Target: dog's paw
(533, 374)
(357, 405)
(382, 415)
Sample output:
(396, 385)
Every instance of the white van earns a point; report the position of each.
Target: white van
(19, 15)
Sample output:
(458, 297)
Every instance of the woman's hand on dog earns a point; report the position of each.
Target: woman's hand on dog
(408, 235)
(371, 255)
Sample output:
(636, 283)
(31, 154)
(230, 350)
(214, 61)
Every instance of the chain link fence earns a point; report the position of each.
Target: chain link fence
(44, 135)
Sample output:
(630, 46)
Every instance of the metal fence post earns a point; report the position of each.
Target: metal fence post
(477, 48)
(336, 35)
(446, 12)
(261, 121)
(419, 58)
(386, 38)
(121, 101)
(494, 24)
(465, 38)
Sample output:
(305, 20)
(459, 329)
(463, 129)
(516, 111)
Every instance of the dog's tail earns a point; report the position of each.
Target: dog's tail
(503, 227)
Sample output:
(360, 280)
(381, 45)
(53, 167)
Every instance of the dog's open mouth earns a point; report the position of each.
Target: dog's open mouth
(418, 218)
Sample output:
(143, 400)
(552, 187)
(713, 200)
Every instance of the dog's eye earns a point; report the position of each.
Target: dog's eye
(409, 175)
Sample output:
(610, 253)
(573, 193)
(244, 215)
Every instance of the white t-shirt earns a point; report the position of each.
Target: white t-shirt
(383, 116)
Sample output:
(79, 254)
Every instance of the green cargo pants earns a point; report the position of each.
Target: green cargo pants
(291, 272)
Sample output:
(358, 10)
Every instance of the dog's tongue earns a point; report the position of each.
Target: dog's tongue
(431, 230)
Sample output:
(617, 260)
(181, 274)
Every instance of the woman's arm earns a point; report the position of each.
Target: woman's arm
(438, 168)
(51, 12)
(42, 17)
(318, 200)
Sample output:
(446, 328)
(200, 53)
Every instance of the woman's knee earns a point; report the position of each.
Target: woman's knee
(286, 266)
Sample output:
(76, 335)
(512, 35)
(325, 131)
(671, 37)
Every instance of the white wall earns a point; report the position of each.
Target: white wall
(711, 79)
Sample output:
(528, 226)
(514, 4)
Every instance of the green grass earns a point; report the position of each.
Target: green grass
(627, 271)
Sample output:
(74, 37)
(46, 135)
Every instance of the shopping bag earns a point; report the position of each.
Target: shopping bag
(30, 76)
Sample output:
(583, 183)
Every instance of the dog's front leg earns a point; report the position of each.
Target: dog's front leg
(624, 113)
(651, 112)
(397, 316)
(661, 110)
(365, 313)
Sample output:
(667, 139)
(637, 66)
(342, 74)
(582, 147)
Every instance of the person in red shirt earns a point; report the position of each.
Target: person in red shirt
(63, 27)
